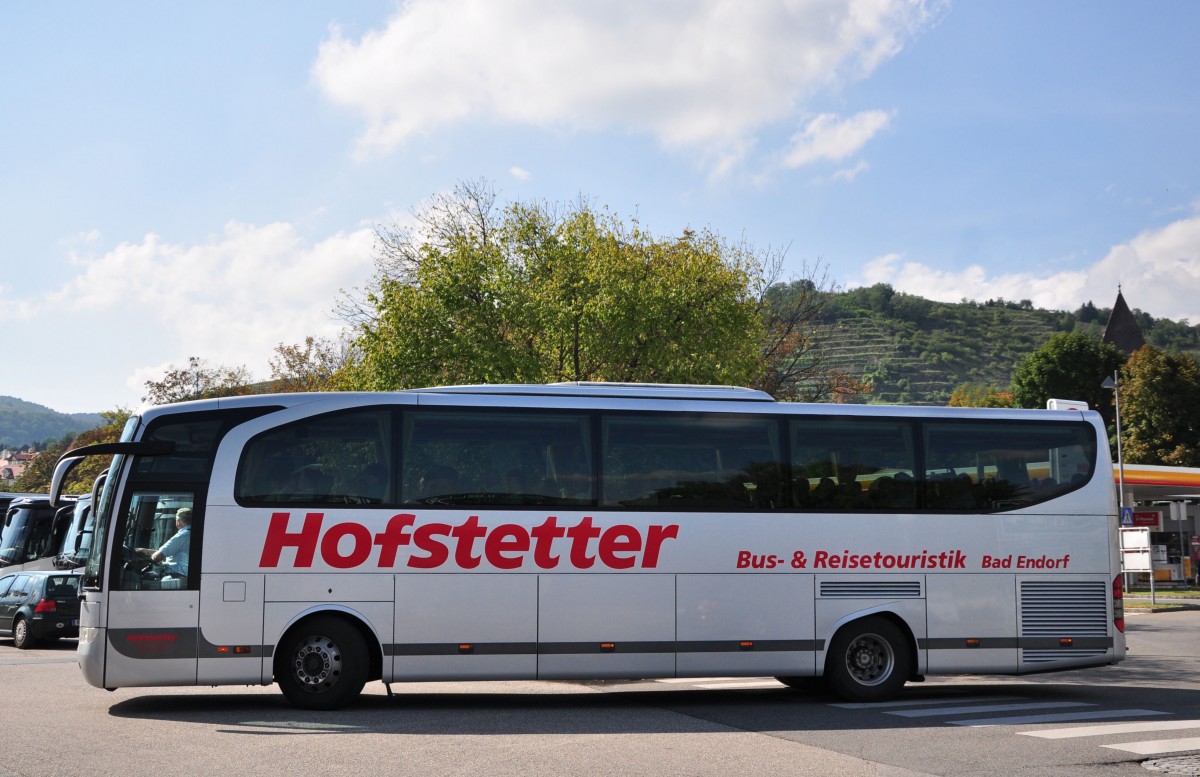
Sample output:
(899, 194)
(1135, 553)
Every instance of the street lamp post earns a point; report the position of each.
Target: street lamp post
(1113, 383)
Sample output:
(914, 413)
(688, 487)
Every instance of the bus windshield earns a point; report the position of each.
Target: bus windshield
(102, 511)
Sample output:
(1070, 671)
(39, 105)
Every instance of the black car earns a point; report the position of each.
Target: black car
(39, 606)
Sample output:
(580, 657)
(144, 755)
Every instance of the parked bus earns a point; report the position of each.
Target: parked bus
(585, 531)
(32, 533)
(77, 534)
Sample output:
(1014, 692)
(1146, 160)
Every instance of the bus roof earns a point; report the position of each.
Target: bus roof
(609, 395)
(598, 389)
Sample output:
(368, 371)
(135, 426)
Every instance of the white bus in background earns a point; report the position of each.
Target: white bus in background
(578, 531)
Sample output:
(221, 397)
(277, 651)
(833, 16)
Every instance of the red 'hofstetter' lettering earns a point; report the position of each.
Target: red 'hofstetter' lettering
(465, 545)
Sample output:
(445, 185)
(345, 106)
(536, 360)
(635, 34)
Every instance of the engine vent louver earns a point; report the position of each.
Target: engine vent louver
(1053, 611)
(902, 589)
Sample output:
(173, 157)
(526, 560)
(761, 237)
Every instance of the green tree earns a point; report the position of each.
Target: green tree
(538, 293)
(199, 380)
(798, 362)
(1160, 408)
(314, 365)
(974, 395)
(1070, 365)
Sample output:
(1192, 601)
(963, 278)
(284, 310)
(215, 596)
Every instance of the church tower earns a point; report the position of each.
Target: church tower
(1122, 330)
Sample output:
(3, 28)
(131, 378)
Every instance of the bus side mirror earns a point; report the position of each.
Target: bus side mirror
(69, 460)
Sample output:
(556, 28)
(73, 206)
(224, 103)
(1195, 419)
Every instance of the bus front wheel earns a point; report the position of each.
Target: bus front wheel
(322, 664)
(868, 660)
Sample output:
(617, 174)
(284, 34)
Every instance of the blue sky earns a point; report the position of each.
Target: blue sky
(202, 179)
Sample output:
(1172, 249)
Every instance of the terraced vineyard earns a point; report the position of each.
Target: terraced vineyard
(924, 366)
(917, 351)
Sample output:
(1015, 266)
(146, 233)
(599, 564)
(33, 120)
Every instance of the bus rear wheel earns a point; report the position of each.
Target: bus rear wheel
(322, 664)
(869, 660)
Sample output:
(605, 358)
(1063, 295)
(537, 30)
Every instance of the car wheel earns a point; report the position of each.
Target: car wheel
(322, 664)
(22, 639)
(869, 660)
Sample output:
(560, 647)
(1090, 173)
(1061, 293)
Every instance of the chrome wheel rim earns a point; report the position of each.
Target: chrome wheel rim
(317, 664)
(870, 659)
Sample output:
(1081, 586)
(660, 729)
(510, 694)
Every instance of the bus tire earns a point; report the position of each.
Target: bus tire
(323, 664)
(869, 660)
(22, 638)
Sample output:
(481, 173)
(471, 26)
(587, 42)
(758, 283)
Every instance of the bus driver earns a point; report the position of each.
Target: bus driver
(174, 552)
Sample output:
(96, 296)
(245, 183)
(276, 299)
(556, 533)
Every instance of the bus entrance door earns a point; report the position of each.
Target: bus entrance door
(153, 613)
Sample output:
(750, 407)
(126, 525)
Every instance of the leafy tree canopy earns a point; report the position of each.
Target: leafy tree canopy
(1160, 408)
(198, 380)
(539, 293)
(974, 395)
(1071, 365)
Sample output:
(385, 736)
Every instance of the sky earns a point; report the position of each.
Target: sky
(205, 179)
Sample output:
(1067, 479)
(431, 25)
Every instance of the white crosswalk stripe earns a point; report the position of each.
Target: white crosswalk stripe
(741, 684)
(963, 711)
(978, 708)
(1159, 746)
(868, 705)
(940, 708)
(953, 709)
(1065, 717)
(1115, 728)
(724, 683)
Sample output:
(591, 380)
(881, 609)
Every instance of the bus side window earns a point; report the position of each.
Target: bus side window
(680, 461)
(993, 465)
(853, 465)
(499, 458)
(338, 458)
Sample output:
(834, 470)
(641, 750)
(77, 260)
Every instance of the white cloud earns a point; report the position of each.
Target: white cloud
(1159, 271)
(520, 173)
(850, 173)
(230, 300)
(830, 137)
(704, 75)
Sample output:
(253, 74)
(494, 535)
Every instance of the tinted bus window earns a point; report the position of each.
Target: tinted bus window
(853, 464)
(988, 466)
(496, 457)
(340, 458)
(709, 462)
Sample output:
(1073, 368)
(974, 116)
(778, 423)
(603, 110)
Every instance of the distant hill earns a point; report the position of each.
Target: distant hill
(23, 423)
(917, 351)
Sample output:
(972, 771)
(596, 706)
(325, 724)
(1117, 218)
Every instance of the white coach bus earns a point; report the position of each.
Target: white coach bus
(578, 531)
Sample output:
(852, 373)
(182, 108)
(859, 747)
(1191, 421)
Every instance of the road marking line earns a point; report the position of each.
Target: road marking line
(1115, 728)
(1158, 746)
(1060, 718)
(759, 684)
(947, 711)
(868, 705)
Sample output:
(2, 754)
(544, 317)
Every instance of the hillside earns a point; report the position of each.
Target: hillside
(911, 349)
(23, 423)
(917, 351)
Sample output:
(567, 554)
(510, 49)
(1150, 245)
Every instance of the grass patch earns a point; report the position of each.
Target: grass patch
(1173, 592)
